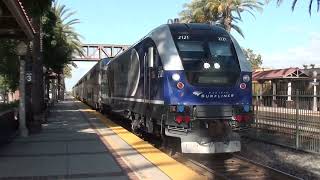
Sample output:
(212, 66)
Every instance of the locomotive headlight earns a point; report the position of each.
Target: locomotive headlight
(206, 65)
(246, 78)
(176, 77)
(216, 65)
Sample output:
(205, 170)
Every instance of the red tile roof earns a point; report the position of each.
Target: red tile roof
(277, 74)
(15, 22)
(26, 16)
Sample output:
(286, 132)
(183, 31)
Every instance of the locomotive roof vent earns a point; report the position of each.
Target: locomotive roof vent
(170, 21)
(213, 23)
(174, 21)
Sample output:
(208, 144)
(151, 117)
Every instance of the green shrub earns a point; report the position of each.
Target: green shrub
(4, 107)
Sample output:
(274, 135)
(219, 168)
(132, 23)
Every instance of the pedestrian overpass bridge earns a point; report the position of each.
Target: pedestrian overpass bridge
(95, 52)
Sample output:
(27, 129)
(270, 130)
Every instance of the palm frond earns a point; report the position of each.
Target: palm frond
(68, 15)
(224, 12)
(294, 4)
(237, 29)
(310, 6)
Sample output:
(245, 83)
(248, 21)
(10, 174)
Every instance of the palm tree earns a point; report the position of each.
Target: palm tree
(224, 12)
(197, 11)
(64, 27)
(67, 38)
(294, 2)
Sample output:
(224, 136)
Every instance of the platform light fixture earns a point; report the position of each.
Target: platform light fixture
(22, 48)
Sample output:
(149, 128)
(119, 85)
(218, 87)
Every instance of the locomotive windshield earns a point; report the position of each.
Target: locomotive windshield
(208, 62)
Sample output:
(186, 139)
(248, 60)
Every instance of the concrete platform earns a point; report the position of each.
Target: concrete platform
(80, 143)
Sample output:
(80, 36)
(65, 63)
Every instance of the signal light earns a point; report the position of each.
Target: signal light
(180, 85)
(242, 118)
(243, 86)
(179, 119)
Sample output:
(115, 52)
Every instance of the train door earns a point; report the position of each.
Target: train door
(145, 82)
(148, 65)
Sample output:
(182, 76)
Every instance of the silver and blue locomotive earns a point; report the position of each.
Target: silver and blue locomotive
(190, 82)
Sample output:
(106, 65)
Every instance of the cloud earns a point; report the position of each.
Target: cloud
(296, 56)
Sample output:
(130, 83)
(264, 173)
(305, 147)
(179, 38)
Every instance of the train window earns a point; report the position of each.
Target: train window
(220, 49)
(208, 63)
(191, 50)
(193, 46)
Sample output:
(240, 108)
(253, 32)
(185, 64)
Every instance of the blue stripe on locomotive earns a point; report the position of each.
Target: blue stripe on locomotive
(213, 95)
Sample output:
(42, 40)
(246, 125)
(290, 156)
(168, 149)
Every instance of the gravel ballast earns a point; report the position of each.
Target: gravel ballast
(301, 164)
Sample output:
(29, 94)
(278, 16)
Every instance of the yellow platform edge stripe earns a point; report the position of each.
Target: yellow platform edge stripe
(172, 168)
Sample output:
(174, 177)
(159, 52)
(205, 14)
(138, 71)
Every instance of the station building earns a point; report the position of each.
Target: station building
(279, 87)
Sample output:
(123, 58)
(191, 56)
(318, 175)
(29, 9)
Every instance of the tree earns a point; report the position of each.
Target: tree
(57, 40)
(198, 11)
(3, 89)
(61, 41)
(9, 66)
(254, 59)
(294, 2)
(65, 27)
(226, 13)
(67, 71)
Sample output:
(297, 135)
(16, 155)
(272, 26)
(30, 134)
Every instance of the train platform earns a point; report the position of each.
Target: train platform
(80, 143)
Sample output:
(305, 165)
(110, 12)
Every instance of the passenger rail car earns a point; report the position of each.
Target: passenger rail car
(190, 82)
(88, 88)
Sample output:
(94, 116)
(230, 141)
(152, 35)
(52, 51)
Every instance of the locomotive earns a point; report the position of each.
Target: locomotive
(189, 82)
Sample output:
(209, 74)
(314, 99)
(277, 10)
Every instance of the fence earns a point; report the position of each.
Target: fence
(292, 121)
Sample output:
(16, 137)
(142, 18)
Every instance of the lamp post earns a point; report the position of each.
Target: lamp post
(314, 74)
(21, 52)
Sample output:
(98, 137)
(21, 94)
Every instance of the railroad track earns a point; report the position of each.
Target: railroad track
(219, 166)
(231, 166)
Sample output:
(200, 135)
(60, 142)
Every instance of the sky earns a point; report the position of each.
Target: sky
(283, 38)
